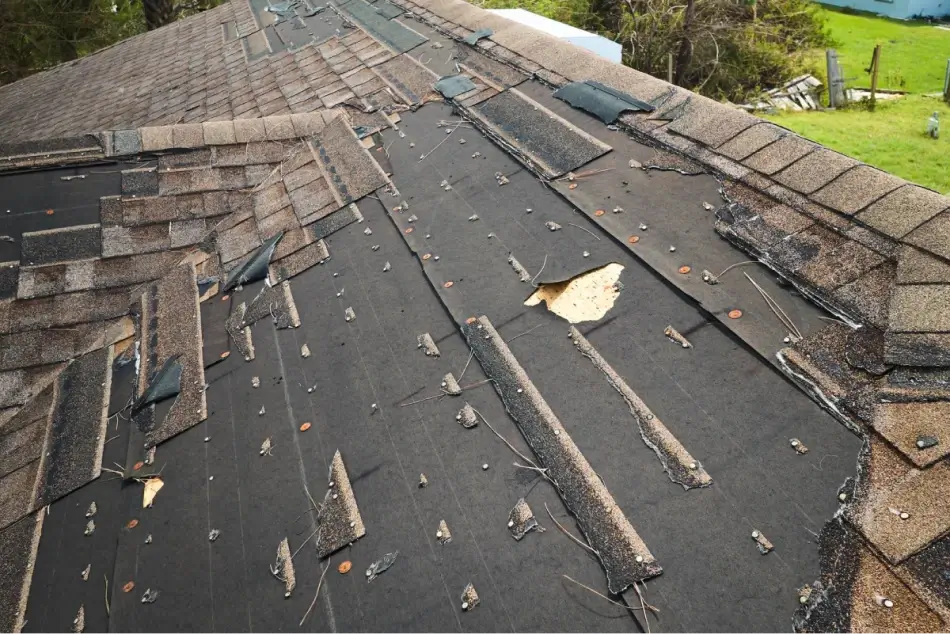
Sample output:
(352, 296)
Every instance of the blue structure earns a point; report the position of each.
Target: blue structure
(901, 9)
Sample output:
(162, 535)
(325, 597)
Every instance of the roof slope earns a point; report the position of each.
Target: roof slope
(433, 219)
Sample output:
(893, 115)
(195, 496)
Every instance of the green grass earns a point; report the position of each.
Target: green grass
(913, 54)
(892, 137)
(913, 58)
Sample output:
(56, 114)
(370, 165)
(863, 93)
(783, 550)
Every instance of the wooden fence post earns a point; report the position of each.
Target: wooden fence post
(836, 94)
(946, 83)
(875, 64)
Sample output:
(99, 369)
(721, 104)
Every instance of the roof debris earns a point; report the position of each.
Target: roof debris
(262, 412)
(304, 352)
(553, 226)
(798, 446)
(149, 596)
(469, 598)
(266, 447)
(450, 386)
(348, 314)
(501, 178)
(90, 527)
(763, 544)
(91, 511)
(444, 535)
(214, 534)
(674, 336)
(423, 481)
(521, 520)
(86, 571)
(387, 267)
(255, 382)
(79, 623)
(283, 568)
(426, 343)
(473, 218)
(467, 417)
(381, 566)
(519, 269)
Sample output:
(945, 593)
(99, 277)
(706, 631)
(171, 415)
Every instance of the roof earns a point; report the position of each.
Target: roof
(726, 448)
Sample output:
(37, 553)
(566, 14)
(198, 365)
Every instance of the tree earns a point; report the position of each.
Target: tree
(158, 13)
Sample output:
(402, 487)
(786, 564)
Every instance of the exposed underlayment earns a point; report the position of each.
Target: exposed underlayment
(626, 558)
(310, 146)
(586, 297)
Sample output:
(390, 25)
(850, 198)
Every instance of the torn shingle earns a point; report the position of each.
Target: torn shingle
(547, 141)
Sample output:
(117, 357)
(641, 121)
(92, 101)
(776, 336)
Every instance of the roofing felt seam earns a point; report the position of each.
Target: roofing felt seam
(679, 465)
(625, 557)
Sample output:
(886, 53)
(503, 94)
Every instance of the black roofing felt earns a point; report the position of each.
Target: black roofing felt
(394, 34)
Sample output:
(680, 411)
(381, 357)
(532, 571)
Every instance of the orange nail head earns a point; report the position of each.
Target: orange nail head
(344, 567)
(132, 524)
(685, 269)
(735, 313)
(305, 427)
(470, 320)
(572, 186)
(138, 465)
(128, 587)
(49, 212)
(448, 284)
(408, 230)
(224, 298)
(633, 239)
(599, 212)
(225, 354)
(427, 256)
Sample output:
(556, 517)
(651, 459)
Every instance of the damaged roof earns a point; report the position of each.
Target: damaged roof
(343, 318)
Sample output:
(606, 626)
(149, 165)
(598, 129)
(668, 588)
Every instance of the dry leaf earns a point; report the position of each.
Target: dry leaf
(152, 487)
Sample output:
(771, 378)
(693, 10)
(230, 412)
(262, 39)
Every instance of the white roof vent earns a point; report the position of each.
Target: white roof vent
(592, 42)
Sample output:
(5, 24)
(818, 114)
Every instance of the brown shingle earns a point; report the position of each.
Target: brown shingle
(780, 154)
(751, 140)
(856, 189)
(815, 170)
(903, 424)
(933, 236)
(898, 213)
(919, 267)
(920, 308)
(710, 122)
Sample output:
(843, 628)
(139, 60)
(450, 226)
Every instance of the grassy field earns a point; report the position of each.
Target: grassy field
(913, 58)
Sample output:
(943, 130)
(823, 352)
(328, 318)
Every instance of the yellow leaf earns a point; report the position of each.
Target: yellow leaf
(152, 487)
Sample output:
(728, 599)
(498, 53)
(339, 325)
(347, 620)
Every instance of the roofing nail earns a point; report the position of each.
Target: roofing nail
(485, 467)
(672, 248)
(586, 254)
(423, 481)
(643, 227)
(367, 231)
(261, 413)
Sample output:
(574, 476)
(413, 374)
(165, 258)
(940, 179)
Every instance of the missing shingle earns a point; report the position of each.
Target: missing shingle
(584, 297)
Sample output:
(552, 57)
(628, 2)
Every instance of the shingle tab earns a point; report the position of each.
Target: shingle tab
(751, 140)
(814, 170)
(856, 189)
(903, 210)
(779, 155)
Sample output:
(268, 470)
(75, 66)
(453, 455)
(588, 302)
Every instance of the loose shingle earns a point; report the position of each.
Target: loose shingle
(552, 144)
